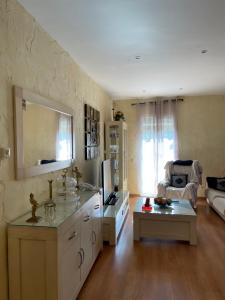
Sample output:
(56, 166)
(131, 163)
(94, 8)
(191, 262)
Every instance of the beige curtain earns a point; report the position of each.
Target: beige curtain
(157, 142)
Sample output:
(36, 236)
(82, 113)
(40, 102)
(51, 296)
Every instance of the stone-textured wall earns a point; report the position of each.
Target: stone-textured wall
(201, 127)
(30, 58)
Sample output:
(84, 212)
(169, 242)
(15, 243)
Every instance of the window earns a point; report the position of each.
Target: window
(157, 143)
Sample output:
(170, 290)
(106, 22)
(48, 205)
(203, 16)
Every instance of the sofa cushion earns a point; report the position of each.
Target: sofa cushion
(217, 183)
(179, 181)
(220, 184)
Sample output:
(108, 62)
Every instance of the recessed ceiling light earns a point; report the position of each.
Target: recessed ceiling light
(204, 51)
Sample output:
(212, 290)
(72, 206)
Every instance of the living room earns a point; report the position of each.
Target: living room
(33, 59)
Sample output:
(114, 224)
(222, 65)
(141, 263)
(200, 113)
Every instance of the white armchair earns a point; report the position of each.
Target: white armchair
(181, 181)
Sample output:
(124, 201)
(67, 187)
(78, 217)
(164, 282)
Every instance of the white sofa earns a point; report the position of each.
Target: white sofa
(216, 199)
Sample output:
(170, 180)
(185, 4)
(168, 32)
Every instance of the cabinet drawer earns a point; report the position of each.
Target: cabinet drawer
(70, 237)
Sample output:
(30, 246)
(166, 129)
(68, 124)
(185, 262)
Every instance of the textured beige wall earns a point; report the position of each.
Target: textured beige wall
(201, 135)
(40, 126)
(30, 58)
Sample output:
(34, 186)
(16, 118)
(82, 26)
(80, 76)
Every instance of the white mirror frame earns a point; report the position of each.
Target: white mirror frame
(21, 94)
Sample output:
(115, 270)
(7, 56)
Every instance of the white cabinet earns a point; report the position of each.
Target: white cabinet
(116, 150)
(52, 261)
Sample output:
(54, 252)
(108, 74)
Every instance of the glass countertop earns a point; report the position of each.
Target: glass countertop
(177, 207)
(54, 218)
(110, 211)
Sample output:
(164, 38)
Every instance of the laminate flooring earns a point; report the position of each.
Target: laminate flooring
(162, 270)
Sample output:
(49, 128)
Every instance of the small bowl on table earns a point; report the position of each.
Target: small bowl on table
(162, 202)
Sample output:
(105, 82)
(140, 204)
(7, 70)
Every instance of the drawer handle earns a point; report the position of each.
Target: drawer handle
(93, 237)
(82, 254)
(74, 234)
(81, 259)
(87, 218)
(96, 206)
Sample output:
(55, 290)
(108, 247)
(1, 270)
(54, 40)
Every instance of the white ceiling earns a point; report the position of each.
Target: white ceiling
(105, 36)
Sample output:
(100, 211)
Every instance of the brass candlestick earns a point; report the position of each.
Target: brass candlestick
(77, 175)
(50, 189)
(50, 202)
(65, 171)
(34, 203)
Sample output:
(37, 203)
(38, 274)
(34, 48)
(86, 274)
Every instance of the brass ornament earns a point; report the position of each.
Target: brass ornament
(34, 203)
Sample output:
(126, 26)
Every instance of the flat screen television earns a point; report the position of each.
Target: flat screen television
(109, 196)
(106, 180)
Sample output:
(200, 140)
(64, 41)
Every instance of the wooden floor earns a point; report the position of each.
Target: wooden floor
(167, 270)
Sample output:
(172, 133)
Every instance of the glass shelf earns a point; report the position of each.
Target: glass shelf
(116, 145)
(64, 209)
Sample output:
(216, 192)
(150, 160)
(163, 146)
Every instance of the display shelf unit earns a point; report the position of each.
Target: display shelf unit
(116, 150)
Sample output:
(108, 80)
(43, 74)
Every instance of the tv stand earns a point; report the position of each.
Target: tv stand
(114, 217)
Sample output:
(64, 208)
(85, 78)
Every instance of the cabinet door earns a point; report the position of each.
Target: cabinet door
(96, 225)
(86, 240)
(71, 261)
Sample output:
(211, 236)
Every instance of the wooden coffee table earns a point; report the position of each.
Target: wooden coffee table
(176, 222)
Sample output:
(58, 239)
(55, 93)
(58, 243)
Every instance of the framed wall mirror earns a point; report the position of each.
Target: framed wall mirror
(44, 138)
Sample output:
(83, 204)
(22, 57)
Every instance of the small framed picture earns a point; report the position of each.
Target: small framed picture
(96, 127)
(93, 138)
(87, 139)
(95, 115)
(87, 125)
(96, 152)
(91, 113)
(92, 132)
(98, 116)
(87, 153)
(93, 126)
(87, 111)
(98, 139)
(92, 152)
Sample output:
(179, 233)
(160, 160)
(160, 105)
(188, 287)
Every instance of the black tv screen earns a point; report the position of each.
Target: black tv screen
(106, 179)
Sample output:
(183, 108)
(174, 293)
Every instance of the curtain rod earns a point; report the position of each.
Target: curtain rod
(166, 100)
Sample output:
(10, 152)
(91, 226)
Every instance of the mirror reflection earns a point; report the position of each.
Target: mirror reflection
(47, 135)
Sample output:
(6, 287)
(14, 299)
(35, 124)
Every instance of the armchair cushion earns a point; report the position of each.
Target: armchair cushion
(179, 181)
(183, 162)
